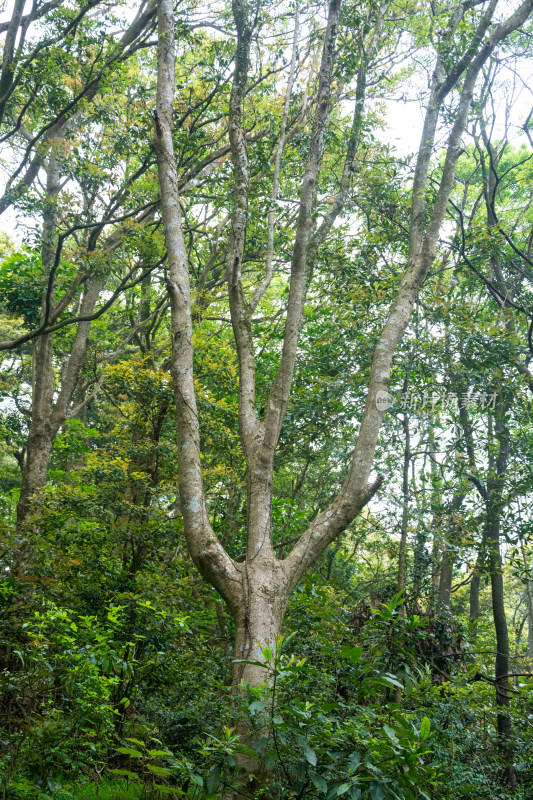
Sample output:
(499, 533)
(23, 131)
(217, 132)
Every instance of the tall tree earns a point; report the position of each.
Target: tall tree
(256, 590)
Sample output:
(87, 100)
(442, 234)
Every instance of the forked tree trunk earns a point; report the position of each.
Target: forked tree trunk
(41, 436)
(257, 590)
(49, 414)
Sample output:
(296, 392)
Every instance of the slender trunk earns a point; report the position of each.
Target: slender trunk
(501, 667)
(475, 584)
(448, 547)
(530, 641)
(436, 516)
(529, 602)
(445, 579)
(48, 416)
(435, 565)
(494, 507)
(41, 436)
(420, 555)
(405, 508)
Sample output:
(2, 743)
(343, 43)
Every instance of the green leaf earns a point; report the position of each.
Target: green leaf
(352, 653)
(248, 751)
(161, 771)
(256, 706)
(198, 780)
(128, 751)
(376, 790)
(159, 753)
(425, 728)
(310, 755)
(355, 793)
(318, 781)
(168, 789)
(389, 681)
(125, 773)
(354, 761)
(213, 779)
(343, 788)
(390, 733)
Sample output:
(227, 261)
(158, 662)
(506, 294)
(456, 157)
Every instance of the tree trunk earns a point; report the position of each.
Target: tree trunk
(494, 507)
(41, 436)
(258, 620)
(402, 555)
(475, 584)
(448, 549)
(38, 451)
(530, 642)
(529, 603)
(445, 579)
(501, 667)
(48, 416)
